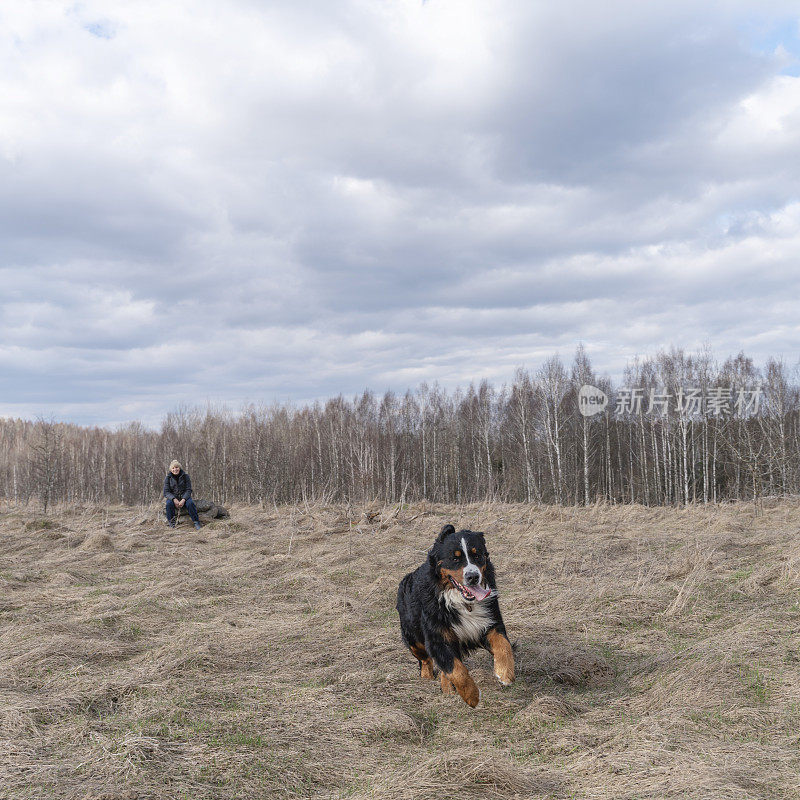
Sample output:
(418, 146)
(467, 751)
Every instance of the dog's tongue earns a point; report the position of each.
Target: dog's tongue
(479, 592)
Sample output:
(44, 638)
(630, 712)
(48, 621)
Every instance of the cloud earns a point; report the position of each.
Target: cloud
(249, 200)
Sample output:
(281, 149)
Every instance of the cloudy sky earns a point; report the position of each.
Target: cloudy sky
(245, 200)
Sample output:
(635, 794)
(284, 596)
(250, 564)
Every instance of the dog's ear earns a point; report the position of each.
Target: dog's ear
(446, 531)
(434, 554)
(433, 560)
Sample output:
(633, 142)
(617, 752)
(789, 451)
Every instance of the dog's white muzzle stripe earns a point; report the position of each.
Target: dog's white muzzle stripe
(470, 569)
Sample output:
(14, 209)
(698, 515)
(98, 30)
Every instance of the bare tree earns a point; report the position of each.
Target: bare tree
(525, 442)
(45, 460)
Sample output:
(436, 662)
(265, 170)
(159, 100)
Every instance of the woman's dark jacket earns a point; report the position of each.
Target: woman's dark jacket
(177, 487)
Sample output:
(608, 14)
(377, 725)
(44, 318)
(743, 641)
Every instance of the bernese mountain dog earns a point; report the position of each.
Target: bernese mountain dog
(448, 607)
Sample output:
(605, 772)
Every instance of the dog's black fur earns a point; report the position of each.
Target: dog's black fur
(443, 616)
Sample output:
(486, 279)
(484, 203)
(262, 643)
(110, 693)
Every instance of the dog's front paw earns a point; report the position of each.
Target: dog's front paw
(472, 696)
(506, 677)
(447, 684)
(503, 657)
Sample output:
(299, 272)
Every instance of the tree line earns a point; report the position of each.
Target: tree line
(526, 441)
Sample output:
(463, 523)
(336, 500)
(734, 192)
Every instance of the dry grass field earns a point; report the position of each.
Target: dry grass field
(657, 656)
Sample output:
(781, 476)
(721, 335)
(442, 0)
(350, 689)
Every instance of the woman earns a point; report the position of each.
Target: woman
(178, 491)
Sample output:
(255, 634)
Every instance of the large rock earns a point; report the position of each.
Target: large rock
(211, 509)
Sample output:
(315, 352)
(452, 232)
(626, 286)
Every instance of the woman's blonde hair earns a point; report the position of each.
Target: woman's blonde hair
(175, 464)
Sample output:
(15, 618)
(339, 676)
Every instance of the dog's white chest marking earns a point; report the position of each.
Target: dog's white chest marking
(472, 624)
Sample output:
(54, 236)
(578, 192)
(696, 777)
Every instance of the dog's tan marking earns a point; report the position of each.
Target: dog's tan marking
(425, 662)
(465, 686)
(449, 635)
(503, 657)
(447, 684)
(457, 574)
(418, 651)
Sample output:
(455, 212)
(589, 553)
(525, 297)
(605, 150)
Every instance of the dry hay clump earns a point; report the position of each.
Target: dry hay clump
(656, 655)
(98, 541)
(570, 665)
(464, 772)
(548, 708)
(382, 722)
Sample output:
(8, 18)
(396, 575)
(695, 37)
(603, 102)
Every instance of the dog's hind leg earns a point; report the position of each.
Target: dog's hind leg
(425, 662)
(464, 685)
(454, 673)
(500, 648)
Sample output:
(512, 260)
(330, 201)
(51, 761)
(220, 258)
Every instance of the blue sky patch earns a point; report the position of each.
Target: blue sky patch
(766, 36)
(102, 29)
